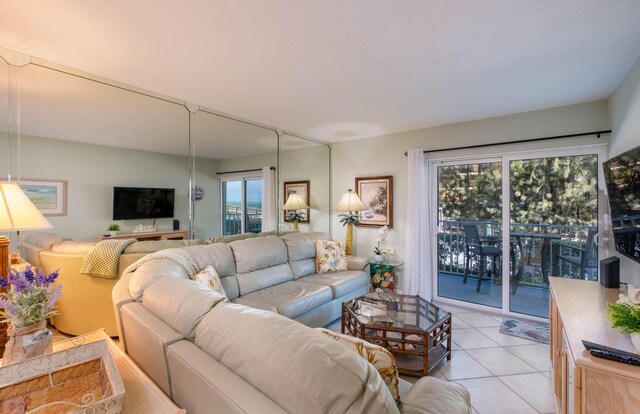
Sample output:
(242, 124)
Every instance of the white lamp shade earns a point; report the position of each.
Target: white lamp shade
(17, 212)
(350, 202)
(295, 202)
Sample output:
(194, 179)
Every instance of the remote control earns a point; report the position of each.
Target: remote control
(613, 354)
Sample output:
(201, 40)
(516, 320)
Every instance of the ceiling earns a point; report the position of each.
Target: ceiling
(342, 69)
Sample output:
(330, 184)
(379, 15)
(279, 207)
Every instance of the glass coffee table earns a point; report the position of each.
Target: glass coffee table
(415, 331)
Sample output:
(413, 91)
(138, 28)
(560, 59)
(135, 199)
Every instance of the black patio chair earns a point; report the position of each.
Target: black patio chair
(483, 248)
(587, 257)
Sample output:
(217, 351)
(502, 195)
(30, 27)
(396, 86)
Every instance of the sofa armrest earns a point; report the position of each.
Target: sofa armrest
(434, 396)
(357, 263)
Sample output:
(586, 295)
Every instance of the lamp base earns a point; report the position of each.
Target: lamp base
(348, 246)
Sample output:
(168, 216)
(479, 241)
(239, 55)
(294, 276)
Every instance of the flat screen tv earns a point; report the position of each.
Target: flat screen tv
(130, 203)
(622, 175)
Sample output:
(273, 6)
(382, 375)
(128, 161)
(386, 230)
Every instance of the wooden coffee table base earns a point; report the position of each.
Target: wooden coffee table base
(417, 351)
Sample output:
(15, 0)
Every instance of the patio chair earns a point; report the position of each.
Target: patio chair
(587, 257)
(482, 247)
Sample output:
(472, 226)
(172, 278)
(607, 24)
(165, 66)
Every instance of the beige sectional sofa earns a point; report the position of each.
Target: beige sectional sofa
(211, 353)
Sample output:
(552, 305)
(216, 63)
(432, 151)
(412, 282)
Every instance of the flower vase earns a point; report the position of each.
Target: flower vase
(635, 340)
(27, 342)
(113, 233)
(379, 258)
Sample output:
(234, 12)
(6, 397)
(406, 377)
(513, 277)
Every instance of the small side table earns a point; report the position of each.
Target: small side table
(383, 274)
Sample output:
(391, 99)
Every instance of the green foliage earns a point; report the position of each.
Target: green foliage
(555, 190)
(348, 218)
(113, 227)
(625, 316)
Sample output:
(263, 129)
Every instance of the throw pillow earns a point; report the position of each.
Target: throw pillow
(209, 277)
(376, 355)
(330, 257)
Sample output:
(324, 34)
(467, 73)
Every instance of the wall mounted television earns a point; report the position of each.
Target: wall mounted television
(130, 203)
(622, 175)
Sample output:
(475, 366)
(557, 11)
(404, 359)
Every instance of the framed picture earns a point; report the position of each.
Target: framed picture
(50, 196)
(302, 188)
(377, 194)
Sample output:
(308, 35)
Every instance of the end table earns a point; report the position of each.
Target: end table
(383, 274)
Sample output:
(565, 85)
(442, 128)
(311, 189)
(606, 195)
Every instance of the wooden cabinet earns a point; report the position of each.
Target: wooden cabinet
(583, 383)
(152, 235)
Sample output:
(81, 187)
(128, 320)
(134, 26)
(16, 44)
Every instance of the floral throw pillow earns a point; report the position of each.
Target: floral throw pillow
(209, 277)
(376, 355)
(330, 257)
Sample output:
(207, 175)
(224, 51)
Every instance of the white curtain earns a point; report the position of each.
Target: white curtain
(268, 199)
(417, 272)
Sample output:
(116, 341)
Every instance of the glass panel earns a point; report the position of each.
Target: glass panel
(253, 206)
(232, 206)
(469, 229)
(303, 160)
(553, 221)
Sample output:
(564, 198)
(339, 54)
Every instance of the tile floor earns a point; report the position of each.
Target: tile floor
(503, 373)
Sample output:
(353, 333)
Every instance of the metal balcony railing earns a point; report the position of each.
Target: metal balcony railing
(527, 247)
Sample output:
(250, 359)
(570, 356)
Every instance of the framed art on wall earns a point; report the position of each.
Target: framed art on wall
(377, 194)
(302, 188)
(50, 196)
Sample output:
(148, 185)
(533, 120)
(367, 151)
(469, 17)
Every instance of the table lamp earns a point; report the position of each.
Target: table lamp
(350, 204)
(295, 203)
(17, 213)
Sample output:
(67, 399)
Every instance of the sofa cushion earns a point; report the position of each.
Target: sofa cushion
(291, 298)
(302, 251)
(180, 303)
(258, 253)
(219, 256)
(232, 237)
(45, 240)
(300, 369)
(341, 283)
(151, 271)
(330, 257)
(73, 247)
(264, 278)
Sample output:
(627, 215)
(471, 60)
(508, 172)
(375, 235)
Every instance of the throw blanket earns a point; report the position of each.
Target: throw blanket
(102, 259)
(179, 256)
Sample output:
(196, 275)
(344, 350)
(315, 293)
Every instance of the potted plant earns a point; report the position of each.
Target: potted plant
(113, 229)
(625, 315)
(377, 254)
(26, 305)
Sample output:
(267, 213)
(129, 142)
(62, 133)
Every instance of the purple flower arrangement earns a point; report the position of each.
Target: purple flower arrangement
(29, 297)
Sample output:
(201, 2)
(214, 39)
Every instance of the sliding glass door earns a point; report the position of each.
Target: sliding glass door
(552, 219)
(241, 205)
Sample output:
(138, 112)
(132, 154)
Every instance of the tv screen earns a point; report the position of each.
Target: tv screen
(131, 203)
(622, 174)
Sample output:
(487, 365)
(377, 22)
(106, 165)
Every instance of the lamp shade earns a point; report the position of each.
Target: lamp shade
(350, 202)
(17, 212)
(295, 202)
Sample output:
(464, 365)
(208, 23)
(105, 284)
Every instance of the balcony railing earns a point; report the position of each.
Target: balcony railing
(527, 247)
(233, 223)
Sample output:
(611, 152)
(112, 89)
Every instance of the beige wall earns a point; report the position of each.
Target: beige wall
(624, 106)
(91, 172)
(385, 155)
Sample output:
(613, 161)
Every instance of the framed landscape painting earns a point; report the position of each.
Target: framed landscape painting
(377, 194)
(50, 196)
(302, 188)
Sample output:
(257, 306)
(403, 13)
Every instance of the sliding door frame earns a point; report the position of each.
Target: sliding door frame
(601, 150)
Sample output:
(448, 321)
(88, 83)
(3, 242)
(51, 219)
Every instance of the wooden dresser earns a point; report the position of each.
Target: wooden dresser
(583, 383)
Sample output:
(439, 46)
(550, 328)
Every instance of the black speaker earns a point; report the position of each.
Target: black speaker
(610, 272)
(176, 224)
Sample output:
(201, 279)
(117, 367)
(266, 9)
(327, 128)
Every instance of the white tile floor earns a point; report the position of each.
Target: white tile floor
(504, 374)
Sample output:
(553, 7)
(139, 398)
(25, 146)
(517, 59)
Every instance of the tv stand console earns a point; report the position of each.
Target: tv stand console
(583, 383)
(151, 235)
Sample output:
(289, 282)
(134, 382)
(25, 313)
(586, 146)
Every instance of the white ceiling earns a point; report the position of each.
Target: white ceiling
(342, 69)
